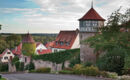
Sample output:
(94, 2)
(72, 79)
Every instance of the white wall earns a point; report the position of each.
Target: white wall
(58, 49)
(76, 43)
(40, 47)
(7, 55)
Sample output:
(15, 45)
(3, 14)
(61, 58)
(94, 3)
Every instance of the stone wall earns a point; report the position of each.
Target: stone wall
(54, 67)
(86, 53)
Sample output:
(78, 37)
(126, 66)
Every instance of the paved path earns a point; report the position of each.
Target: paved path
(35, 76)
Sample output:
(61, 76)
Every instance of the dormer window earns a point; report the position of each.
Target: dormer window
(56, 42)
(61, 43)
(67, 43)
(5, 58)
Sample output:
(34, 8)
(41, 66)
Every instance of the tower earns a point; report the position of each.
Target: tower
(88, 25)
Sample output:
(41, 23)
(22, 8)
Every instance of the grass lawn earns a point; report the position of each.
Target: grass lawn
(2, 79)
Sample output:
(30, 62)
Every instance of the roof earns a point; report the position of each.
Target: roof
(44, 51)
(92, 15)
(28, 39)
(17, 50)
(4, 52)
(38, 43)
(65, 37)
(50, 44)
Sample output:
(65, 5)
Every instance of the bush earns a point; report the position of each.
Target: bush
(88, 64)
(112, 61)
(66, 72)
(78, 69)
(3, 67)
(112, 75)
(0, 76)
(91, 71)
(30, 66)
(43, 70)
(19, 66)
(126, 71)
(124, 77)
(75, 61)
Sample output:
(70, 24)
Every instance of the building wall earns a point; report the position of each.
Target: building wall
(57, 49)
(76, 43)
(7, 55)
(86, 53)
(40, 47)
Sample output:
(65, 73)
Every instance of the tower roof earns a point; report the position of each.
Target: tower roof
(28, 39)
(92, 15)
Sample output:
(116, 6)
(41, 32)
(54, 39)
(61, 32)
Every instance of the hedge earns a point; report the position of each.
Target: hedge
(58, 57)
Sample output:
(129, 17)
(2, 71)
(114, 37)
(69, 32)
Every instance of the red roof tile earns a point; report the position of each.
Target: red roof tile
(4, 52)
(38, 43)
(17, 50)
(44, 51)
(28, 39)
(50, 44)
(92, 15)
(65, 37)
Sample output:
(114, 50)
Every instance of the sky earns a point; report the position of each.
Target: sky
(51, 16)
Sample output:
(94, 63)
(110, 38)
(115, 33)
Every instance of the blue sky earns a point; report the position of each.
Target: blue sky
(51, 16)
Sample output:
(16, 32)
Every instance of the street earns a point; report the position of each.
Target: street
(36, 76)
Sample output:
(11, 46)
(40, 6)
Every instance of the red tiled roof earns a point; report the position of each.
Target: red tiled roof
(65, 37)
(44, 51)
(4, 52)
(92, 15)
(17, 50)
(38, 43)
(28, 39)
(50, 44)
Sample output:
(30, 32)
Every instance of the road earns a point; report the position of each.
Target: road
(36, 76)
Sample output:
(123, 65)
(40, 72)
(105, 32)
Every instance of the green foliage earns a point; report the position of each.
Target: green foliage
(66, 72)
(112, 75)
(88, 64)
(74, 61)
(0, 76)
(43, 70)
(77, 69)
(3, 67)
(15, 59)
(112, 61)
(30, 66)
(28, 49)
(58, 57)
(19, 66)
(13, 40)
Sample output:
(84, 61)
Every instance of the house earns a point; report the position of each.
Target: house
(88, 25)
(6, 56)
(66, 40)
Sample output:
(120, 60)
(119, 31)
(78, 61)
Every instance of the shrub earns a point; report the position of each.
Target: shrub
(88, 64)
(103, 74)
(30, 66)
(126, 71)
(124, 77)
(75, 61)
(43, 70)
(91, 71)
(78, 69)
(0, 76)
(3, 67)
(112, 75)
(112, 61)
(66, 72)
(19, 66)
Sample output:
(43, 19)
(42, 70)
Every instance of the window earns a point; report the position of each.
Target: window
(5, 57)
(61, 43)
(8, 52)
(55, 50)
(67, 43)
(56, 42)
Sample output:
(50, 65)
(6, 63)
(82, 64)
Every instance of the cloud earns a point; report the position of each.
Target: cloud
(56, 15)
